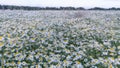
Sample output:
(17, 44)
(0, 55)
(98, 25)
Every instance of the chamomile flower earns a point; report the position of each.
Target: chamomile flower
(66, 63)
(1, 38)
(65, 41)
(112, 49)
(110, 66)
(1, 44)
(79, 65)
(111, 59)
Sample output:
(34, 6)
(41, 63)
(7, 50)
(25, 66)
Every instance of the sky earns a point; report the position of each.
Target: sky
(64, 3)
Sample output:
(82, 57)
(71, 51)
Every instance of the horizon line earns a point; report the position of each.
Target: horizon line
(60, 6)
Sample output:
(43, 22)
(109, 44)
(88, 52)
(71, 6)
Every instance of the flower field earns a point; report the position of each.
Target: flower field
(59, 39)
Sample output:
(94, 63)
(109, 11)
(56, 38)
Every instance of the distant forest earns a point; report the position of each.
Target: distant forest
(14, 7)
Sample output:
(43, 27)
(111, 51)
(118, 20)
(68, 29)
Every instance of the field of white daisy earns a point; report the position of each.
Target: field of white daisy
(59, 39)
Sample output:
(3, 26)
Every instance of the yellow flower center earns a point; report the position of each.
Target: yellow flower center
(1, 44)
(1, 38)
(77, 62)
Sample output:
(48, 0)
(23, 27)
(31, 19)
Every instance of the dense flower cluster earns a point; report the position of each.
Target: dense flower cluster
(58, 39)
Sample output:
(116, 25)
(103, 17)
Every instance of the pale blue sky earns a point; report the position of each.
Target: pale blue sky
(58, 3)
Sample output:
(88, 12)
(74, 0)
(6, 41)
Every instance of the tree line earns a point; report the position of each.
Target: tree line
(14, 7)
